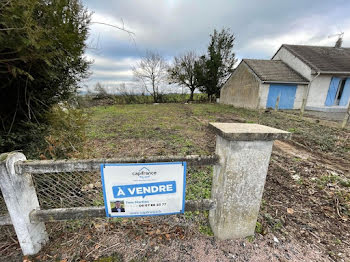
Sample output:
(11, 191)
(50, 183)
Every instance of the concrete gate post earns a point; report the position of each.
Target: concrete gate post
(239, 177)
(20, 198)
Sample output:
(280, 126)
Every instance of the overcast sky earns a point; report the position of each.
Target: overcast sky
(171, 27)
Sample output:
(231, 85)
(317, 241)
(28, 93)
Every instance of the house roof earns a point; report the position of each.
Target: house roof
(322, 59)
(274, 71)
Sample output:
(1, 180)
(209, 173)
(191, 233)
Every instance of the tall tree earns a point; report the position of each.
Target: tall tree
(182, 71)
(214, 68)
(151, 72)
(42, 44)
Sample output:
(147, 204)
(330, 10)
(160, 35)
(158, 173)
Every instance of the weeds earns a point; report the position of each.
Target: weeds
(66, 136)
(199, 184)
(259, 228)
(275, 223)
(332, 179)
(206, 230)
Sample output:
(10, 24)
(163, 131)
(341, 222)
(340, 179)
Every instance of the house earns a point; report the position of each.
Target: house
(317, 76)
(258, 83)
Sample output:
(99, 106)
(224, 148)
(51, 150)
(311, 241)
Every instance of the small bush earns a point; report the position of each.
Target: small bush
(66, 134)
(132, 99)
(27, 137)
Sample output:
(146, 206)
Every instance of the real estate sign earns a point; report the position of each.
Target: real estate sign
(143, 189)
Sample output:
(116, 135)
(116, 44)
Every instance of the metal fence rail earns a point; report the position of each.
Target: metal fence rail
(60, 166)
(99, 211)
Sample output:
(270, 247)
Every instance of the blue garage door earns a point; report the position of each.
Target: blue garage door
(286, 93)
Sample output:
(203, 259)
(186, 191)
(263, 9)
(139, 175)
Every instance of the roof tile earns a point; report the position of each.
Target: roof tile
(322, 58)
(274, 70)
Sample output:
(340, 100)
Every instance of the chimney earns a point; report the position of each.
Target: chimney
(339, 42)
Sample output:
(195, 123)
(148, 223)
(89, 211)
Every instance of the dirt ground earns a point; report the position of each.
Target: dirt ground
(304, 214)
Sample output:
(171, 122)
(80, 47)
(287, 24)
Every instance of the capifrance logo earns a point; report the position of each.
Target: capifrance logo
(144, 173)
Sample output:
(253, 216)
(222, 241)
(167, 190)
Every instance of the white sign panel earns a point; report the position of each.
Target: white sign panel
(143, 189)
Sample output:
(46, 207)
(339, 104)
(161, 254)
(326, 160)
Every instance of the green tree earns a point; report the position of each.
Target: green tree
(213, 69)
(182, 71)
(42, 43)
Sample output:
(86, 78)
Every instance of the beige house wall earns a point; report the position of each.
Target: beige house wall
(294, 62)
(241, 89)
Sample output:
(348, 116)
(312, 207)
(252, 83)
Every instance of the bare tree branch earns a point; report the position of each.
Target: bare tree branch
(182, 72)
(118, 27)
(151, 71)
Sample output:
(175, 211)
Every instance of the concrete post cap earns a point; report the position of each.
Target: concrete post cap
(248, 132)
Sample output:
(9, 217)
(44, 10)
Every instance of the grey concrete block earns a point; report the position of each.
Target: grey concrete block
(244, 151)
(248, 132)
(238, 185)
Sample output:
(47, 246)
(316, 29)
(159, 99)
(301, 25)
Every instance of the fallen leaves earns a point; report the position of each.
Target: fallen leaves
(158, 232)
(290, 211)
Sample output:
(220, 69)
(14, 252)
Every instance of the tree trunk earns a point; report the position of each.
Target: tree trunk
(209, 98)
(191, 96)
(155, 94)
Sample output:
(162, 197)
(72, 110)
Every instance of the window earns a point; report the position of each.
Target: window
(339, 91)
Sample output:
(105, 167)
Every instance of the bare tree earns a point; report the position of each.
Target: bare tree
(151, 72)
(182, 71)
(100, 91)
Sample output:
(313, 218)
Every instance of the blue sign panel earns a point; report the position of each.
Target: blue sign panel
(144, 189)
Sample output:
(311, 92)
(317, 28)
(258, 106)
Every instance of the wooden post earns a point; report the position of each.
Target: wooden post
(239, 178)
(302, 109)
(277, 102)
(20, 198)
(346, 117)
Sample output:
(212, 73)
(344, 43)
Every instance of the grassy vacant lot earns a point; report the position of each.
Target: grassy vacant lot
(307, 193)
(134, 130)
(306, 201)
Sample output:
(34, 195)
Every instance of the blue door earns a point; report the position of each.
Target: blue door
(338, 92)
(286, 94)
(332, 91)
(346, 93)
